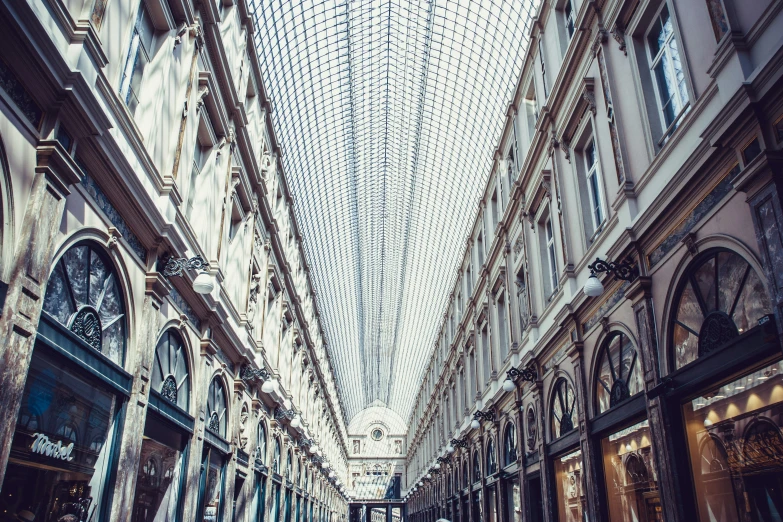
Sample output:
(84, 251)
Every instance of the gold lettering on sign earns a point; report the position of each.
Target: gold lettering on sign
(43, 446)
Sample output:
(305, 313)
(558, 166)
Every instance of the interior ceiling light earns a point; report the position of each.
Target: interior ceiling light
(389, 114)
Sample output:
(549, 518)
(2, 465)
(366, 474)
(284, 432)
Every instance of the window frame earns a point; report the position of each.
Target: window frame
(136, 51)
(651, 62)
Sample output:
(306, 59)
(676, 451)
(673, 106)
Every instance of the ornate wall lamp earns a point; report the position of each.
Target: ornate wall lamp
(457, 443)
(252, 375)
(528, 374)
(625, 270)
(488, 415)
(203, 284)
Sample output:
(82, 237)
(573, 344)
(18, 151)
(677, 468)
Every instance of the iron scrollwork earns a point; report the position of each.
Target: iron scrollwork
(488, 415)
(528, 374)
(175, 266)
(460, 443)
(625, 270)
(251, 375)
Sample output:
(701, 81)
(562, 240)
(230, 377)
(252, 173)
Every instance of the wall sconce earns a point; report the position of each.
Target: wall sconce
(488, 415)
(458, 443)
(282, 413)
(528, 374)
(624, 270)
(203, 284)
(445, 459)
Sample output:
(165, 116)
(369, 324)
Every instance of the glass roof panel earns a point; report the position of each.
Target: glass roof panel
(389, 112)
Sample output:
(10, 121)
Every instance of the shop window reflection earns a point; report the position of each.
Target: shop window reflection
(569, 484)
(630, 475)
(736, 448)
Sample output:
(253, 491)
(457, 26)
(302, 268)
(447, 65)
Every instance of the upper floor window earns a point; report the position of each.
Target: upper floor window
(543, 66)
(563, 408)
(170, 376)
(492, 459)
(138, 57)
(216, 408)
(510, 444)
(667, 70)
(619, 372)
(549, 255)
(568, 18)
(720, 298)
(590, 185)
(476, 467)
(84, 295)
(261, 443)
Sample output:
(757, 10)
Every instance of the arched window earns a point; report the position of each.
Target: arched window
(276, 459)
(563, 408)
(510, 444)
(289, 467)
(476, 467)
(216, 408)
(298, 472)
(261, 443)
(492, 460)
(465, 478)
(619, 372)
(170, 376)
(719, 298)
(83, 294)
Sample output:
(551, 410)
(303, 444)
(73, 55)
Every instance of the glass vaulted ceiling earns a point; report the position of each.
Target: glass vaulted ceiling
(388, 113)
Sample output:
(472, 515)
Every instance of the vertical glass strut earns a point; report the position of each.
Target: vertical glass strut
(389, 112)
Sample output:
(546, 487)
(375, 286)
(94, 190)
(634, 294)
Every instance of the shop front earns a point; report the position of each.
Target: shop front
(64, 449)
(214, 457)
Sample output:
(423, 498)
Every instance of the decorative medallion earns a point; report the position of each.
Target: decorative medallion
(717, 330)
(168, 389)
(214, 423)
(86, 324)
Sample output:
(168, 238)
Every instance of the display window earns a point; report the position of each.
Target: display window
(61, 453)
(513, 501)
(477, 507)
(492, 509)
(630, 476)
(213, 481)
(735, 445)
(214, 456)
(159, 479)
(569, 486)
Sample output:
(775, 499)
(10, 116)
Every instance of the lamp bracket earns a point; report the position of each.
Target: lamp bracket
(624, 270)
(176, 265)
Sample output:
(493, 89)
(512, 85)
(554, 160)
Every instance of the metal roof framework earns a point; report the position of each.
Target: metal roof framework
(389, 112)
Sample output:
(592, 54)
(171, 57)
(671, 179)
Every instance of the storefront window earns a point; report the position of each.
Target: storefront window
(492, 510)
(83, 294)
(158, 480)
(465, 480)
(61, 449)
(721, 298)
(259, 499)
(620, 373)
(569, 484)
(630, 475)
(477, 509)
(736, 448)
(513, 501)
(213, 487)
(563, 408)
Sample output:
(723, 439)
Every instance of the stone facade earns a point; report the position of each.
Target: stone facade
(627, 394)
(130, 133)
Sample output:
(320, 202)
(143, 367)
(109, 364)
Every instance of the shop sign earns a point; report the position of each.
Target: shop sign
(43, 446)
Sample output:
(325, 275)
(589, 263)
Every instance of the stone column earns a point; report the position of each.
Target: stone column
(640, 295)
(55, 172)
(141, 365)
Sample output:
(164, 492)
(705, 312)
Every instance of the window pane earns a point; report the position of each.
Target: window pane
(665, 89)
(630, 475)
(569, 485)
(157, 485)
(736, 448)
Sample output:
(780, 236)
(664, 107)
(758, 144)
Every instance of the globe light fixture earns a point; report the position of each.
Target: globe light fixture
(593, 287)
(295, 422)
(269, 386)
(508, 385)
(475, 424)
(450, 448)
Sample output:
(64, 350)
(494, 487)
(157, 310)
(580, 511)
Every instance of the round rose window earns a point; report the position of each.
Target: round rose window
(377, 434)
